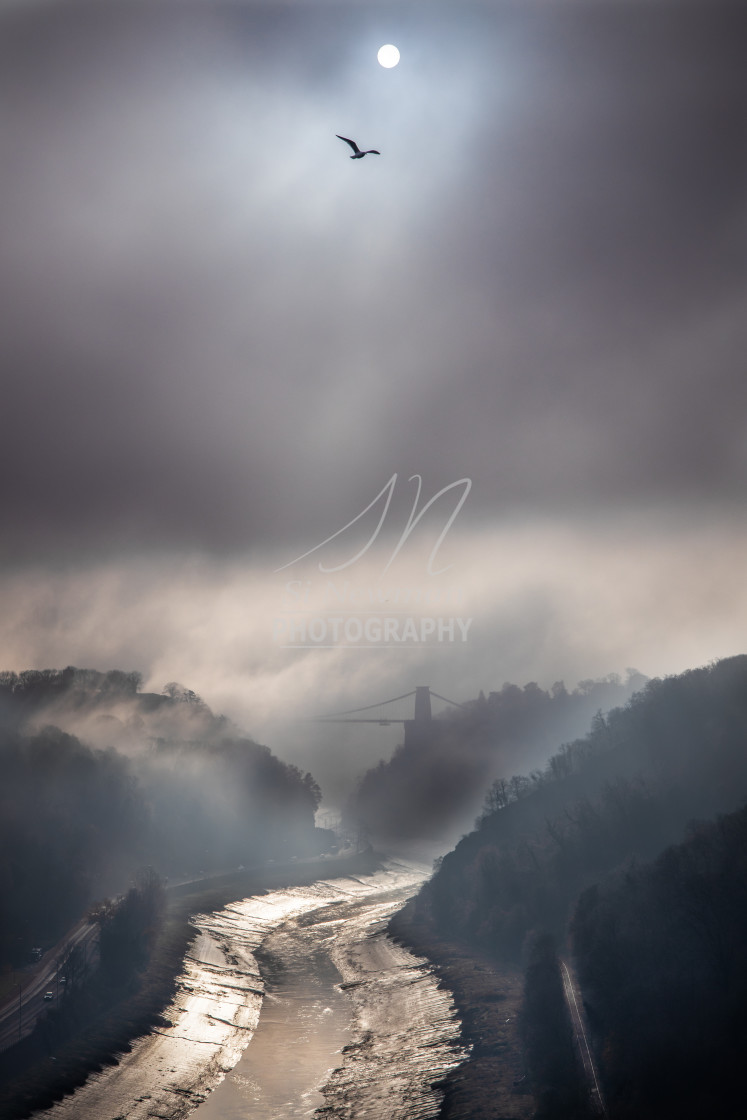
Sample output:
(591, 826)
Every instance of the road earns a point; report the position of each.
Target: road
(582, 1041)
(327, 977)
(16, 1022)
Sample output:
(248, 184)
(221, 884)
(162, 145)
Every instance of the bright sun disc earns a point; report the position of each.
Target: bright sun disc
(388, 56)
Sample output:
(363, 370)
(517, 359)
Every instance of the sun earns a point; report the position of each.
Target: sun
(388, 56)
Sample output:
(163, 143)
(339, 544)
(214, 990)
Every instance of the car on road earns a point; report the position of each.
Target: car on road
(48, 995)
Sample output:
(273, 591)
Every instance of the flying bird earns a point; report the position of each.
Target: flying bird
(357, 153)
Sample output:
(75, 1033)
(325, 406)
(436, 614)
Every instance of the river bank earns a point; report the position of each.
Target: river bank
(352, 1024)
(111, 1031)
(488, 997)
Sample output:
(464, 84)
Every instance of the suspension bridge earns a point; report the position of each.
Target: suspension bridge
(416, 727)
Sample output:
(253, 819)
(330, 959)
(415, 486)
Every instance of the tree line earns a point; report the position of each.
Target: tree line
(438, 778)
(181, 790)
(657, 944)
(660, 951)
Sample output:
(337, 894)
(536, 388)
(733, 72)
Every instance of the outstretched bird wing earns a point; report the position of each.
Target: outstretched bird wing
(372, 152)
(352, 143)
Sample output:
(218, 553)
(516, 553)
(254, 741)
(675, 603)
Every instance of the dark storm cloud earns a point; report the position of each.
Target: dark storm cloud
(221, 333)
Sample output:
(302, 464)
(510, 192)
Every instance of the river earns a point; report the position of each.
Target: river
(292, 1004)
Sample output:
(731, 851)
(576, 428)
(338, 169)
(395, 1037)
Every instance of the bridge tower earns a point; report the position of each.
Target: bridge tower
(422, 704)
(418, 729)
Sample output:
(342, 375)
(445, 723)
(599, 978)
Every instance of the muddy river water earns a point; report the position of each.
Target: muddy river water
(292, 1004)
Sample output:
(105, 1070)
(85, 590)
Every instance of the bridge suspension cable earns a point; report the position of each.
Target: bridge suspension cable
(368, 707)
(383, 719)
(447, 701)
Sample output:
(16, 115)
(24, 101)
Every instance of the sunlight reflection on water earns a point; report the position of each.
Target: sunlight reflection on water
(303, 1025)
(375, 1050)
(374, 1044)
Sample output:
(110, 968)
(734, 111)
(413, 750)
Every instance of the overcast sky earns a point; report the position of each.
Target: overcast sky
(222, 338)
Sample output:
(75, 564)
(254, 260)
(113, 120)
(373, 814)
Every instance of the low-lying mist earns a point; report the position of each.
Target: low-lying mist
(434, 784)
(100, 780)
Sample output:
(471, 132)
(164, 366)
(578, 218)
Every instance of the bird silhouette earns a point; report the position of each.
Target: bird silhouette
(357, 153)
